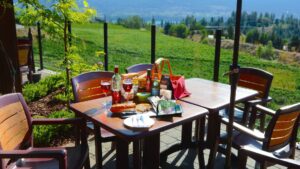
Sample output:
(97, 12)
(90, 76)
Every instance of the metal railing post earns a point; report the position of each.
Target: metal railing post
(153, 43)
(40, 46)
(32, 59)
(105, 46)
(218, 35)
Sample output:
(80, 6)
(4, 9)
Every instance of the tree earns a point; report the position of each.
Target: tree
(134, 22)
(55, 19)
(252, 36)
(295, 43)
(266, 52)
(167, 28)
(230, 32)
(264, 38)
(180, 31)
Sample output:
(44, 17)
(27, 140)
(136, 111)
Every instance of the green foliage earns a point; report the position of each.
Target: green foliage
(295, 43)
(55, 20)
(76, 64)
(252, 36)
(180, 31)
(33, 92)
(44, 135)
(266, 52)
(61, 97)
(54, 15)
(167, 28)
(134, 22)
(230, 32)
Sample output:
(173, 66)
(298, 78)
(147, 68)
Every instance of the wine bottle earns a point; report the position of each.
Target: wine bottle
(148, 81)
(155, 86)
(116, 86)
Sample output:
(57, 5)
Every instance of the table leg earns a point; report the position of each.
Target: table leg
(151, 155)
(137, 155)
(98, 146)
(122, 154)
(200, 138)
(213, 135)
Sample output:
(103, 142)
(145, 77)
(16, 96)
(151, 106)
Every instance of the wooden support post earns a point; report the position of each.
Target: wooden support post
(40, 45)
(218, 35)
(153, 43)
(10, 77)
(105, 46)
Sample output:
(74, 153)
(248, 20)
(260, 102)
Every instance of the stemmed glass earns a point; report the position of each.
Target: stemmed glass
(105, 87)
(127, 86)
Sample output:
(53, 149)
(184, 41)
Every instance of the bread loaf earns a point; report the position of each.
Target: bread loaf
(119, 108)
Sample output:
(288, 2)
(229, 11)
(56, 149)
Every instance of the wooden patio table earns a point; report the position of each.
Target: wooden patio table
(213, 96)
(94, 111)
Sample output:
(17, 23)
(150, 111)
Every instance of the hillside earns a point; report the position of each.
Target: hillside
(128, 46)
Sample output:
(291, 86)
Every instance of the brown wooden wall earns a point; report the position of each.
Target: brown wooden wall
(8, 40)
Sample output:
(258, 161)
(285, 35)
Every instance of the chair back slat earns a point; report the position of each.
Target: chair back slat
(14, 123)
(282, 127)
(23, 55)
(256, 79)
(87, 86)
(138, 68)
(24, 46)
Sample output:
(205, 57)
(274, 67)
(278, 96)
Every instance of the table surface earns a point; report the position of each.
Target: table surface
(214, 95)
(94, 111)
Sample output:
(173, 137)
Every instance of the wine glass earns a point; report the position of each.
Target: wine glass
(105, 87)
(127, 86)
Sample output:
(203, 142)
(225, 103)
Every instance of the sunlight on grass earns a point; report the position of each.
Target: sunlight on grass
(283, 79)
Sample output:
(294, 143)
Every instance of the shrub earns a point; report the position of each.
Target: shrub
(266, 52)
(38, 90)
(180, 31)
(62, 98)
(135, 22)
(45, 135)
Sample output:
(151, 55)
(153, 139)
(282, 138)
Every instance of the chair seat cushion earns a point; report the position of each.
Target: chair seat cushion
(76, 156)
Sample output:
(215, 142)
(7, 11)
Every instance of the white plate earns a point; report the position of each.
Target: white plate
(139, 121)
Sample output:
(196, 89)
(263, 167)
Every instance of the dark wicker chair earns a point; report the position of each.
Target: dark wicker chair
(279, 138)
(263, 156)
(16, 146)
(138, 68)
(260, 81)
(87, 87)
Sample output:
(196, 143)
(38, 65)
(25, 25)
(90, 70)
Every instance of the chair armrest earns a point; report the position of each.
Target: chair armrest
(253, 133)
(58, 153)
(260, 155)
(73, 121)
(265, 110)
(35, 153)
(259, 101)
